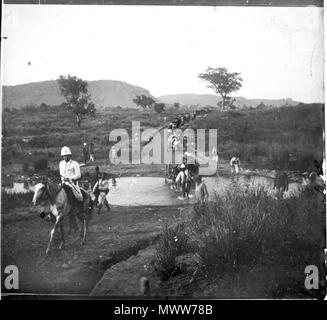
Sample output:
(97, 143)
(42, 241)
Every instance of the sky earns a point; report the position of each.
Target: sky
(277, 51)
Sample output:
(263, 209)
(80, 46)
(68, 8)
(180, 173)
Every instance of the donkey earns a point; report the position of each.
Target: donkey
(62, 203)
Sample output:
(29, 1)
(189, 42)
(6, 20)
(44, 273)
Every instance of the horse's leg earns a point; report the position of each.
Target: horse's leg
(107, 204)
(84, 230)
(52, 233)
(72, 223)
(99, 210)
(62, 235)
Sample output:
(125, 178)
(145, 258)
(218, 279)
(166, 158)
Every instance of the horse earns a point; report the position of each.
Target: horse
(62, 203)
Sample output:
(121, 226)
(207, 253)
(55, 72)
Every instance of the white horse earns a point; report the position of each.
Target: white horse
(62, 203)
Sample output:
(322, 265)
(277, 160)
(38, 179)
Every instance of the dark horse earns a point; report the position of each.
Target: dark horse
(63, 203)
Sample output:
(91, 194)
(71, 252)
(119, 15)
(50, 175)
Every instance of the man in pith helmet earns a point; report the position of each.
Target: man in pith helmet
(70, 172)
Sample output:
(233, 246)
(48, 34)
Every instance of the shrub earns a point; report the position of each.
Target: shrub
(40, 164)
(173, 242)
(51, 154)
(25, 167)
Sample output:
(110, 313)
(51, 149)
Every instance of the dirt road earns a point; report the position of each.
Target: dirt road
(113, 236)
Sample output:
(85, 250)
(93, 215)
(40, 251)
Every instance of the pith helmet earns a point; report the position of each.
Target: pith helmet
(65, 151)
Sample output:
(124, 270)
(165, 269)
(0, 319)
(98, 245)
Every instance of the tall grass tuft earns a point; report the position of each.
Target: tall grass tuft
(173, 242)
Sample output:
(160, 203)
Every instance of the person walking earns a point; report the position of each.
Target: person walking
(85, 152)
(100, 191)
(201, 191)
(235, 166)
(91, 151)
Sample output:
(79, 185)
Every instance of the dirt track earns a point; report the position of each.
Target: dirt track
(113, 236)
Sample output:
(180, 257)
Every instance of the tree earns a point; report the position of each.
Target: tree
(159, 107)
(222, 81)
(176, 105)
(75, 91)
(144, 101)
(261, 105)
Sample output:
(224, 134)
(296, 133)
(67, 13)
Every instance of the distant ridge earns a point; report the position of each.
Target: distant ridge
(209, 99)
(104, 93)
(112, 93)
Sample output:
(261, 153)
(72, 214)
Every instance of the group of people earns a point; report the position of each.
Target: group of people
(173, 137)
(182, 175)
(70, 173)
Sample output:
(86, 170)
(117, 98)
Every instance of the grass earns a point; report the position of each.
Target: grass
(15, 200)
(32, 133)
(248, 230)
(261, 138)
(265, 138)
(172, 243)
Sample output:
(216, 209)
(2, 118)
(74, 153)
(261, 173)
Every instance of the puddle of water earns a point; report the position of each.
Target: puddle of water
(142, 191)
(19, 187)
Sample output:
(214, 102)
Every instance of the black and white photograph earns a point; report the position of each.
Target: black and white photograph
(163, 150)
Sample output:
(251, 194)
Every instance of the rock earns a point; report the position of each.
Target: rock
(188, 263)
(144, 285)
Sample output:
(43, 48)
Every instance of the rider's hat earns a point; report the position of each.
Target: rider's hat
(65, 151)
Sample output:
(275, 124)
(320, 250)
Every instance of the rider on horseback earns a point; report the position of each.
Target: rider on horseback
(70, 173)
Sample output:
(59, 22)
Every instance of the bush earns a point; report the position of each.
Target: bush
(51, 154)
(40, 164)
(173, 242)
(25, 167)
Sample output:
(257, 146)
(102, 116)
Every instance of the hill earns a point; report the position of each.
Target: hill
(210, 99)
(112, 93)
(104, 93)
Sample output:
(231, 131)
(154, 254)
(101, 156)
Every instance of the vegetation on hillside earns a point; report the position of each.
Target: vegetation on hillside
(36, 132)
(264, 138)
(287, 137)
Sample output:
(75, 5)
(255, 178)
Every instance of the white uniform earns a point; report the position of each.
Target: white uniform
(71, 170)
(234, 163)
